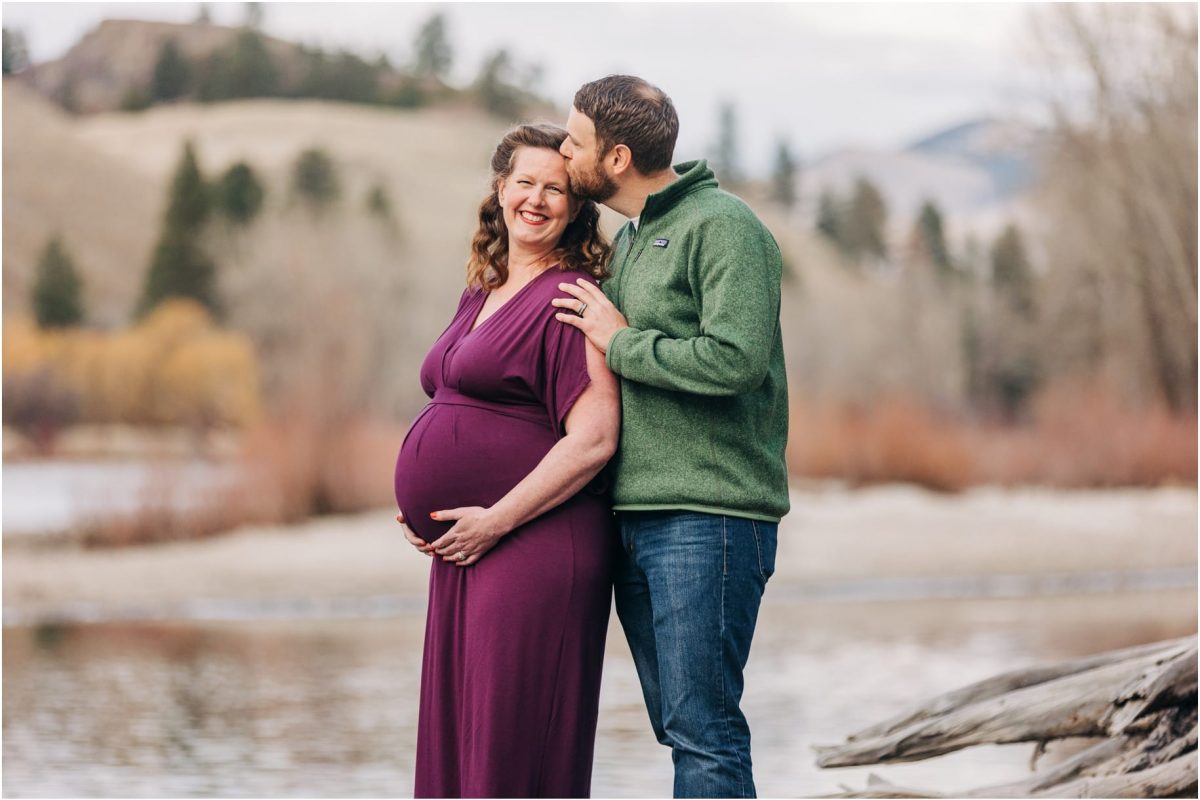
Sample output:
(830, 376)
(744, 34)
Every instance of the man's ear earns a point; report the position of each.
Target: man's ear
(620, 159)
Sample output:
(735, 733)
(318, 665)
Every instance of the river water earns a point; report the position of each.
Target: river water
(52, 496)
(316, 695)
(327, 707)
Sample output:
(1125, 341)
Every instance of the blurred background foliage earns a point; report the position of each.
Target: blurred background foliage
(210, 227)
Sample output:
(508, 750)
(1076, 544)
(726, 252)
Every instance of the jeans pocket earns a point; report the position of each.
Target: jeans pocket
(766, 538)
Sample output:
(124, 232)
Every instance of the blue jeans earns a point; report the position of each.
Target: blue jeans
(688, 587)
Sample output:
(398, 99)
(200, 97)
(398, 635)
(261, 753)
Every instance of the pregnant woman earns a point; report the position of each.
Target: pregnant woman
(493, 482)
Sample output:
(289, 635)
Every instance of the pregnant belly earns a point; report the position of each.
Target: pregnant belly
(463, 456)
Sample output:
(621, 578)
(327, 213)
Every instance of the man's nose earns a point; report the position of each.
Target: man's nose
(564, 149)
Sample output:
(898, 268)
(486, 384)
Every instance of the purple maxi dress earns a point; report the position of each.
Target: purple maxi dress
(510, 680)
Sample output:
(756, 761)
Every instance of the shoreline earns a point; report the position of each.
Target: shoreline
(891, 544)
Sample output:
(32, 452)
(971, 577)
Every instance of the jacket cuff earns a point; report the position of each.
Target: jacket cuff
(612, 357)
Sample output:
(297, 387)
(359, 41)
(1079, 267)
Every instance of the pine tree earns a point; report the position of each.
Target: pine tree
(354, 80)
(783, 176)
(135, 98)
(239, 194)
(434, 55)
(16, 52)
(172, 73)
(1012, 276)
(179, 266)
(727, 166)
(315, 179)
(190, 203)
(495, 87)
(407, 93)
(1010, 371)
(67, 98)
(254, 16)
(243, 68)
(57, 290)
(866, 222)
(932, 237)
(379, 203)
(828, 219)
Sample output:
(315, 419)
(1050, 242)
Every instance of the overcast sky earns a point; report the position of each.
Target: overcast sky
(821, 75)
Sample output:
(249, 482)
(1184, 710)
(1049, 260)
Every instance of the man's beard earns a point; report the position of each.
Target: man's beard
(595, 185)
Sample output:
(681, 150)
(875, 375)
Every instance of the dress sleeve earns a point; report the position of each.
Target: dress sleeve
(564, 373)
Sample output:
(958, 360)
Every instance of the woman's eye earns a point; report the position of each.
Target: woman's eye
(525, 183)
(554, 189)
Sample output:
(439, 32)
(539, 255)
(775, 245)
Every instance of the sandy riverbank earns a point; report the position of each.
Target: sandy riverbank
(833, 537)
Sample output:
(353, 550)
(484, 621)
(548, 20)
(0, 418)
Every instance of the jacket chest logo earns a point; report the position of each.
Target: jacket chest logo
(661, 242)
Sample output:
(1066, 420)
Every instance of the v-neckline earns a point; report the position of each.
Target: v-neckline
(476, 324)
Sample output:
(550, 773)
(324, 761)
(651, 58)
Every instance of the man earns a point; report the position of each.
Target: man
(689, 322)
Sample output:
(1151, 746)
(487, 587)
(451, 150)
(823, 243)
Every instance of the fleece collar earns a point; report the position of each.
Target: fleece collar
(693, 175)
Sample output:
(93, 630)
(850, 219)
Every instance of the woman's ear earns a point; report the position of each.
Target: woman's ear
(500, 191)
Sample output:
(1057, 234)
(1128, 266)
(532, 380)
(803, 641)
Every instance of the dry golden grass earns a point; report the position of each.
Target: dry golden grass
(304, 462)
(1079, 437)
(895, 440)
(106, 210)
(292, 467)
(301, 465)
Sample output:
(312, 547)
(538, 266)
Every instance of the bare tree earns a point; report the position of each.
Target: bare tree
(1119, 195)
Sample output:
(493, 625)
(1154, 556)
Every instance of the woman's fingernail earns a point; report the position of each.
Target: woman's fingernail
(433, 515)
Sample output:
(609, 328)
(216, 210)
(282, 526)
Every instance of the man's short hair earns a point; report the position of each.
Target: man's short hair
(627, 110)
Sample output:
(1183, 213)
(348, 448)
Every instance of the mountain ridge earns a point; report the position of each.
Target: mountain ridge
(978, 171)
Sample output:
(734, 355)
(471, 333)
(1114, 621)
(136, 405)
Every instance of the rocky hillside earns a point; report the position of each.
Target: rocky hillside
(101, 180)
(125, 65)
(97, 73)
(56, 181)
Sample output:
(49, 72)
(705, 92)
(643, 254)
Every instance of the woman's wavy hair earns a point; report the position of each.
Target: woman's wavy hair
(581, 247)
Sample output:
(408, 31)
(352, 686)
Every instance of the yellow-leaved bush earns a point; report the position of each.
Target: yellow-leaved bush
(174, 367)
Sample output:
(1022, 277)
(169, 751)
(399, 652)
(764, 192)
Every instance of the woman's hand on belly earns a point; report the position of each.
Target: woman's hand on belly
(413, 539)
(476, 531)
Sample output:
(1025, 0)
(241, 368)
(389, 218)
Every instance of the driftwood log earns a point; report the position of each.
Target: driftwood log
(1139, 703)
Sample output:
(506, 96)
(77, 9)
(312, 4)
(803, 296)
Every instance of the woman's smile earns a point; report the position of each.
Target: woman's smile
(534, 218)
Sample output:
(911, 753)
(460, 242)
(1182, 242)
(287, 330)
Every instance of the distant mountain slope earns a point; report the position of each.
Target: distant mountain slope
(54, 181)
(1005, 149)
(977, 172)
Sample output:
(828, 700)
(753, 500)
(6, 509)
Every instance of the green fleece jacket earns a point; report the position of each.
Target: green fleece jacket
(704, 409)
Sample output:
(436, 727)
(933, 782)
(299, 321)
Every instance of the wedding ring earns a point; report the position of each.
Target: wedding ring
(582, 308)
(462, 556)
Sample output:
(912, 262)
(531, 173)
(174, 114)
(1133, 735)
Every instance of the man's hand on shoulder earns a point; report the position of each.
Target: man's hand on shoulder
(600, 320)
